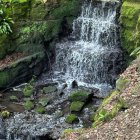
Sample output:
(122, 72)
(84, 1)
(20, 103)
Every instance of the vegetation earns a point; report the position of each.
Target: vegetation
(5, 20)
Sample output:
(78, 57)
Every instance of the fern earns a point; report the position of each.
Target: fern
(5, 21)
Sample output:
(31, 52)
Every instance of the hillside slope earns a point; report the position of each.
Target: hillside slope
(126, 124)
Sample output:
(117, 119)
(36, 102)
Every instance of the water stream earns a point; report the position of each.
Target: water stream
(91, 56)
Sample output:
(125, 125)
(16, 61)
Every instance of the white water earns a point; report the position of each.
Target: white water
(87, 58)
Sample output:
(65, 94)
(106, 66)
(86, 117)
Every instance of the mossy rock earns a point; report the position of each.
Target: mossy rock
(21, 70)
(121, 83)
(40, 109)
(43, 101)
(102, 114)
(71, 118)
(28, 90)
(79, 95)
(49, 89)
(13, 98)
(5, 114)
(28, 105)
(66, 9)
(76, 106)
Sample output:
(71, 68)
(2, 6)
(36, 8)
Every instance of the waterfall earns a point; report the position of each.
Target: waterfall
(90, 56)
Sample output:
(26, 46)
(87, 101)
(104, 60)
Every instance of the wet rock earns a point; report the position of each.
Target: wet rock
(58, 114)
(42, 85)
(13, 98)
(74, 84)
(49, 89)
(2, 130)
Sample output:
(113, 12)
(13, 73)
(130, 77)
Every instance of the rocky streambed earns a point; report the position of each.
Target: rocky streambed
(46, 110)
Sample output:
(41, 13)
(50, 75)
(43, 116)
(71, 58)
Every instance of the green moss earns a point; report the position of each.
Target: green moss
(102, 114)
(121, 83)
(66, 8)
(28, 105)
(38, 11)
(76, 106)
(71, 118)
(40, 109)
(79, 95)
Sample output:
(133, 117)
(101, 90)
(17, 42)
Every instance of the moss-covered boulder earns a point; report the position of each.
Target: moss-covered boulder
(43, 101)
(109, 108)
(28, 90)
(22, 70)
(71, 118)
(28, 105)
(121, 83)
(40, 109)
(76, 106)
(79, 95)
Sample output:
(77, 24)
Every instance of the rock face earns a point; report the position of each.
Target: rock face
(22, 70)
(130, 25)
(37, 26)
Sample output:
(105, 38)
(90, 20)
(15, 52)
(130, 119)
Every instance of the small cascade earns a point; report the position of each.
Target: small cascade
(89, 58)
(91, 55)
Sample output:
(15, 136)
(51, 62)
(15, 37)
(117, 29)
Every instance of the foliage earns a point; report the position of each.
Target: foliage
(135, 52)
(5, 20)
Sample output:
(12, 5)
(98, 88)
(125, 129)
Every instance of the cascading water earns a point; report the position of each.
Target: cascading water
(90, 56)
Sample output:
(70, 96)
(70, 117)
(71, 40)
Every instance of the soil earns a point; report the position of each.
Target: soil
(9, 59)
